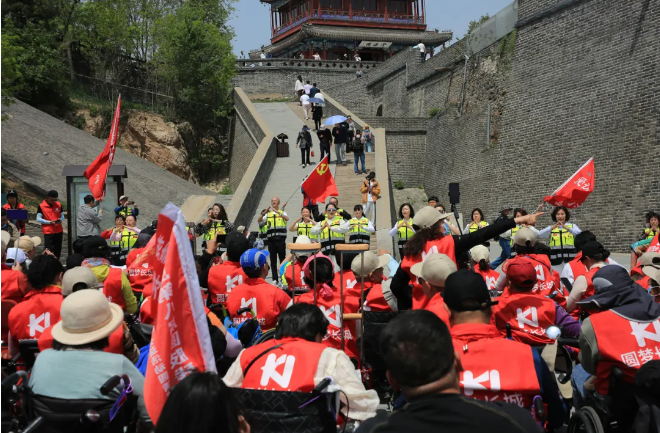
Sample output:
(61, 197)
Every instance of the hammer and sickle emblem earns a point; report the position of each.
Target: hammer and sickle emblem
(322, 169)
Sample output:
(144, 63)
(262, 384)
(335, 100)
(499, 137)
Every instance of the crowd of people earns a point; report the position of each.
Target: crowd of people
(466, 347)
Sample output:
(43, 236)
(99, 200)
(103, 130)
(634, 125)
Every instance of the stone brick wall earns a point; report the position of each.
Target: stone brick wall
(246, 136)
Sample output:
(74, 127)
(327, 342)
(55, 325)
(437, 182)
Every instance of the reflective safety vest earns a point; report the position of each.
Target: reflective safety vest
(112, 287)
(266, 300)
(116, 340)
(490, 276)
(127, 240)
(304, 229)
(331, 307)
(330, 238)
(263, 231)
(39, 311)
(513, 234)
(376, 301)
(338, 213)
(298, 282)
(126, 211)
(528, 314)
(358, 234)
(405, 233)
(494, 368)
(562, 244)
(53, 213)
(649, 233)
(444, 245)
(437, 306)
(481, 224)
(222, 279)
(623, 343)
(216, 228)
(276, 225)
(289, 367)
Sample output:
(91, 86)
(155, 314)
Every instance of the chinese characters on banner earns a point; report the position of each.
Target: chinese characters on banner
(576, 189)
(180, 342)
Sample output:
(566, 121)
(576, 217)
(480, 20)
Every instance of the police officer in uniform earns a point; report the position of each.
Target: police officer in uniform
(276, 220)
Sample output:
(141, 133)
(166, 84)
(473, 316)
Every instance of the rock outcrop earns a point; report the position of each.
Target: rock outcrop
(149, 136)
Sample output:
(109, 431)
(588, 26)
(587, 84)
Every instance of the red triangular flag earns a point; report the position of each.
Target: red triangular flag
(180, 342)
(576, 189)
(98, 170)
(320, 184)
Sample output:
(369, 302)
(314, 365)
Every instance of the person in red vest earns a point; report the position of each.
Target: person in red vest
(480, 256)
(377, 297)
(623, 332)
(120, 341)
(594, 256)
(49, 214)
(14, 282)
(575, 267)
(116, 286)
(40, 307)
(223, 278)
(529, 314)
(494, 368)
(351, 283)
(306, 362)
(432, 274)
(141, 277)
(14, 204)
(430, 238)
(328, 298)
(265, 300)
(548, 282)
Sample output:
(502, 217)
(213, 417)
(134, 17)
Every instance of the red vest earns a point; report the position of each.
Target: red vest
(14, 285)
(116, 341)
(645, 282)
(266, 300)
(297, 283)
(142, 278)
(528, 314)
(375, 301)
(494, 368)
(112, 287)
(352, 285)
(39, 310)
(490, 276)
(577, 267)
(145, 311)
(20, 225)
(290, 367)
(623, 343)
(437, 306)
(655, 244)
(444, 245)
(222, 279)
(331, 307)
(53, 213)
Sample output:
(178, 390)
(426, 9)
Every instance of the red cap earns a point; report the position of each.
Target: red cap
(520, 272)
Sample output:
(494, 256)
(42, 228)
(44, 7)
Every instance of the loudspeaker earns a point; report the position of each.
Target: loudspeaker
(454, 193)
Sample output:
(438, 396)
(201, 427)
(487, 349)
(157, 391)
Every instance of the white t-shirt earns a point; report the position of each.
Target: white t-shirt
(370, 197)
(299, 85)
(263, 56)
(305, 99)
(317, 57)
(307, 88)
(422, 47)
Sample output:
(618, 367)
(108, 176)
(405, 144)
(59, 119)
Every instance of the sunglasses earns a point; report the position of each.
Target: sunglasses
(332, 210)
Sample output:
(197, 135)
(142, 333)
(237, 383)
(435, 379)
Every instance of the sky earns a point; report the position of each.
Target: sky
(251, 19)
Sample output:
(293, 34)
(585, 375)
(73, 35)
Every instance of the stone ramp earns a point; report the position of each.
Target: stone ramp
(36, 146)
(288, 173)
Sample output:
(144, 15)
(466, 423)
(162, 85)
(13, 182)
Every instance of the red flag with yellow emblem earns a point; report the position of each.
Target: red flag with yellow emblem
(320, 184)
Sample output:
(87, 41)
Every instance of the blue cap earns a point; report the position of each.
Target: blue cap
(253, 259)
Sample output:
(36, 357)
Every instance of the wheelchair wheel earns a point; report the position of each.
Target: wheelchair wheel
(268, 335)
(585, 420)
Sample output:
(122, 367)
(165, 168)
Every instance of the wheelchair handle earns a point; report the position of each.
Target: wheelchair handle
(113, 382)
(13, 379)
(567, 341)
(34, 426)
(244, 310)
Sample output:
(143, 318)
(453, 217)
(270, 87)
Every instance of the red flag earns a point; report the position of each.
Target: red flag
(320, 184)
(97, 172)
(180, 342)
(576, 189)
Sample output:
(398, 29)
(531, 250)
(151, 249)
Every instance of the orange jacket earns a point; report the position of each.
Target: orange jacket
(375, 191)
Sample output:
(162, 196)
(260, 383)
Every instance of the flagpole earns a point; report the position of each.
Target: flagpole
(301, 183)
(567, 180)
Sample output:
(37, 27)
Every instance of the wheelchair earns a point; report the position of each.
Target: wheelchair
(31, 413)
(374, 366)
(289, 412)
(608, 414)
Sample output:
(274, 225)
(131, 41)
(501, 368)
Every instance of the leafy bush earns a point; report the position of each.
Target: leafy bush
(399, 184)
(226, 190)
(435, 111)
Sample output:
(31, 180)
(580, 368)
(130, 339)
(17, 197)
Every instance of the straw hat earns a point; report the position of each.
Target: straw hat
(87, 316)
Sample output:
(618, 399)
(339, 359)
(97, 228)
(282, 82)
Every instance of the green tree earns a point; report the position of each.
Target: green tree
(474, 24)
(10, 69)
